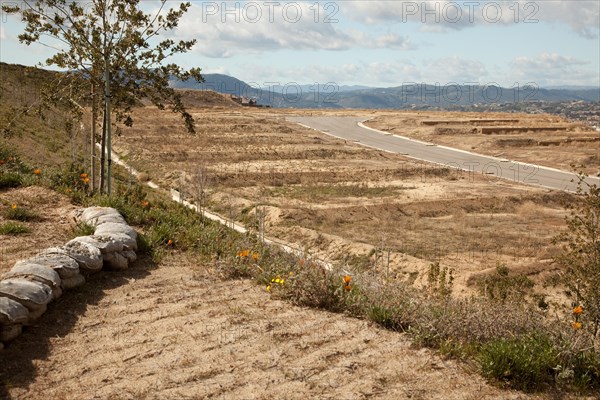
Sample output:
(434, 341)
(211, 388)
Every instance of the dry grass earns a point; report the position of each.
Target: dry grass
(344, 202)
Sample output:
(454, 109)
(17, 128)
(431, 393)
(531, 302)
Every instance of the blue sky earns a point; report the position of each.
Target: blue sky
(381, 43)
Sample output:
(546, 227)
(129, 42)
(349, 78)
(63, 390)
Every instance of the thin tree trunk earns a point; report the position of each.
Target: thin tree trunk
(103, 153)
(93, 141)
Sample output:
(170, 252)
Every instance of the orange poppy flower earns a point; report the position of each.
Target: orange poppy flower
(347, 279)
(244, 253)
(576, 325)
(348, 288)
(14, 206)
(578, 310)
(170, 242)
(37, 171)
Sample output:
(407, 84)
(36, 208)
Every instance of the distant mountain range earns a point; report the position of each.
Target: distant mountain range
(401, 97)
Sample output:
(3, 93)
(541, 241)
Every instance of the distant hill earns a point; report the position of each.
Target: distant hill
(406, 96)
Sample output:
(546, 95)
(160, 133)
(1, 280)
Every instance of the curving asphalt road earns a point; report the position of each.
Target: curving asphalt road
(351, 128)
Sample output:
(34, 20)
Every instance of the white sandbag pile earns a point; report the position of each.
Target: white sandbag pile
(31, 284)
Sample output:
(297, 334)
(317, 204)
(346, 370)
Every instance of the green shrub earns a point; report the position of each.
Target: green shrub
(440, 280)
(10, 180)
(527, 362)
(82, 229)
(20, 214)
(580, 255)
(386, 317)
(13, 228)
(502, 287)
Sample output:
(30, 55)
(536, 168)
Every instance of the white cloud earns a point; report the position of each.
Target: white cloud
(235, 29)
(553, 69)
(455, 69)
(582, 16)
(376, 73)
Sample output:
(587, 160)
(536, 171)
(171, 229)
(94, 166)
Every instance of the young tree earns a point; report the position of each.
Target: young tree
(113, 46)
(581, 252)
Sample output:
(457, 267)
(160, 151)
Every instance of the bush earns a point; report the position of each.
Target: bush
(502, 287)
(10, 180)
(527, 362)
(82, 229)
(581, 254)
(16, 213)
(13, 228)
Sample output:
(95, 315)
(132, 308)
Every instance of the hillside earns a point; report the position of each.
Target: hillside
(420, 95)
(40, 136)
(196, 318)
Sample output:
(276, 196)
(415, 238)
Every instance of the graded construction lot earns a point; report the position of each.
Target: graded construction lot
(546, 140)
(358, 206)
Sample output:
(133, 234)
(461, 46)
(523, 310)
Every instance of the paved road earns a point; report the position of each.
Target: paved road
(348, 128)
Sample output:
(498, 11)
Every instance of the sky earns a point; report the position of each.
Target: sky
(379, 43)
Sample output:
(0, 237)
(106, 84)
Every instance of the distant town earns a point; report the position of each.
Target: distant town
(576, 111)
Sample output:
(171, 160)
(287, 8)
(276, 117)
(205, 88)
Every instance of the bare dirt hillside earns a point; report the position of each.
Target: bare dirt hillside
(175, 331)
(349, 204)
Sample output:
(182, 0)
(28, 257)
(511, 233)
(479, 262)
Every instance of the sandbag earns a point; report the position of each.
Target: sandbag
(103, 243)
(73, 282)
(10, 332)
(35, 315)
(39, 273)
(57, 259)
(113, 218)
(90, 214)
(116, 261)
(126, 240)
(31, 294)
(87, 256)
(112, 228)
(12, 312)
(130, 256)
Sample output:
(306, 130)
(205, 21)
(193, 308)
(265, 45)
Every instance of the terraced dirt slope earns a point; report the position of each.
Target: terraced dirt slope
(347, 203)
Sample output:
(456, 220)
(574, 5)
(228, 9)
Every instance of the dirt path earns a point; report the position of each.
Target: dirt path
(178, 332)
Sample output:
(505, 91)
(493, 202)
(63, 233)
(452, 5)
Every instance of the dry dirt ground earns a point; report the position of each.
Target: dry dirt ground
(51, 227)
(346, 203)
(175, 331)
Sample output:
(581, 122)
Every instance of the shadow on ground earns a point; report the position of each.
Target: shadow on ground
(17, 367)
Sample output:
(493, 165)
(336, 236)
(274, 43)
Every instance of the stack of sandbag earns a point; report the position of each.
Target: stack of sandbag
(31, 284)
(113, 237)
